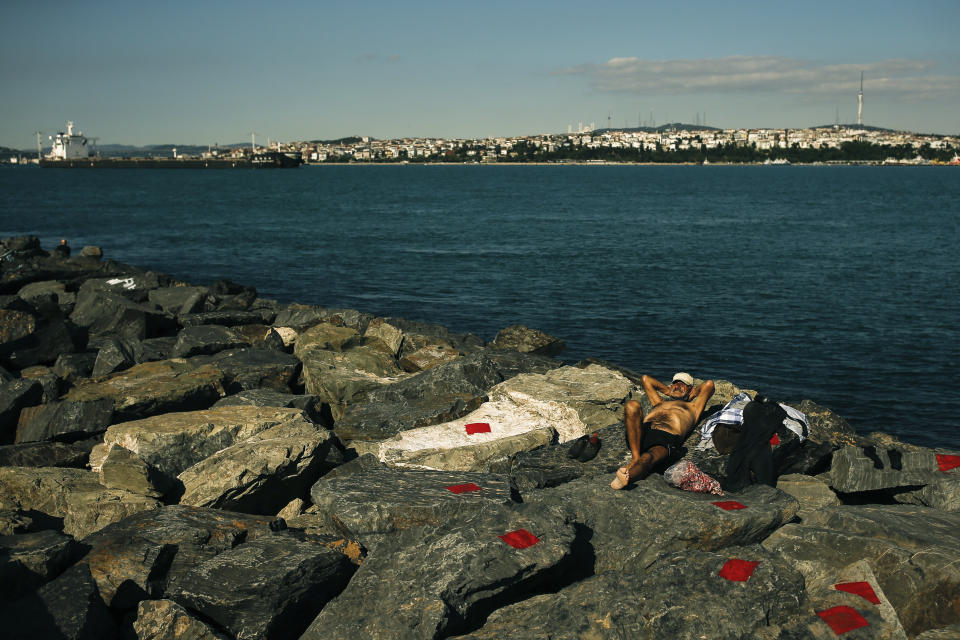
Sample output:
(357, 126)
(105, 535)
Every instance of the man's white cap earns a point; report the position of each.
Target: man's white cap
(685, 378)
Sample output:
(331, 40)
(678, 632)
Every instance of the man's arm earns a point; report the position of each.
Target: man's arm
(700, 395)
(651, 386)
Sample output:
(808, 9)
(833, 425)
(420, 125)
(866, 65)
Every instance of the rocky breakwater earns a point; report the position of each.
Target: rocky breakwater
(195, 461)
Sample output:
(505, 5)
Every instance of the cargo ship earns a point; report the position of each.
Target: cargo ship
(76, 151)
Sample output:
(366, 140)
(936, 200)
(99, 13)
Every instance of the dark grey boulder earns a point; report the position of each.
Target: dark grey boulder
(311, 405)
(67, 608)
(526, 340)
(160, 348)
(825, 425)
(420, 334)
(29, 560)
(227, 318)
(206, 340)
(247, 369)
(633, 526)
(365, 500)
(179, 300)
(113, 314)
(133, 286)
(682, 595)
(117, 354)
(133, 559)
(167, 620)
(14, 397)
(70, 367)
(434, 396)
(43, 454)
(434, 581)
(50, 336)
(270, 587)
(911, 550)
(64, 420)
(300, 317)
(857, 469)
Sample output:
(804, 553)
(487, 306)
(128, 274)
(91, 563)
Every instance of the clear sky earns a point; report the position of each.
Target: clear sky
(206, 71)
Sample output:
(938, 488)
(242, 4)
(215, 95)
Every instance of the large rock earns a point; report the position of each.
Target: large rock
(912, 551)
(70, 367)
(175, 441)
(154, 387)
(942, 494)
(343, 378)
(114, 314)
(812, 493)
(167, 620)
(134, 286)
(261, 474)
(526, 340)
(68, 608)
(117, 355)
(682, 595)
(270, 587)
(123, 469)
(671, 520)
(434, 581)
(226, 318)
(363, 499)
(179, 300)
(134, 559)
(71, 499)
(65, 420)
(856, 469)
(14, 396)
(39, 340)
(311, 405)
(300, 317)
(206, 340)
(39, 290)
(43, 454)
(29, 560)
(258, 368)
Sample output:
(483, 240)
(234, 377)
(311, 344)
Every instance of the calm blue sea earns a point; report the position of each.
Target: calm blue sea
(838, 284)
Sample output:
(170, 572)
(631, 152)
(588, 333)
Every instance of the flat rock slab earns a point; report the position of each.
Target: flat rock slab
(29, 560)
(270, 587)
(911, 550)
(812, 493)
(436, 580)
(175, 441)
(853, 470)
(167, 620)
(258, 368)
(378, 500)
(633, 526)
(682, 595)
(206, 340)
(67, 608)
(64, 420)
(259, 475)
(134, 559)
(942, 494)
(72, 499)
(154, 387)
(311, 405)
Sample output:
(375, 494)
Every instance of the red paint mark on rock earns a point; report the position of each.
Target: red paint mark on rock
(737, 570)
(843, 618)
(477, 427)
(520, 539)
(729, 505)
(946, 463)
(463, 488)
(862, 589)
(775, 440)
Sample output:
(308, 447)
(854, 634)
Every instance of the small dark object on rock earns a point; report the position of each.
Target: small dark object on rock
(590, 450)
(278, 525)
(578, 447)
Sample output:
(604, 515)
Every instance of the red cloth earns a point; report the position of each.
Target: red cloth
(862, 589)
(730, 505)
(946, 463)
(775, 440)
(520, 539)
(843, 618)
(688, 476)
(463, 488)
(477, 427)
(737, 570)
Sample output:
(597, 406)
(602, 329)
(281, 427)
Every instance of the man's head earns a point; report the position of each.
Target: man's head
(681, 386)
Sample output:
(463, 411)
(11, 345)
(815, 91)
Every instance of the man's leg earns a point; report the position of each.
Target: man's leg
(633, 419)
(640, 463)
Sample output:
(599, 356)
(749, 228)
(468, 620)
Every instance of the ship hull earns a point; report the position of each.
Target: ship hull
(272, 160)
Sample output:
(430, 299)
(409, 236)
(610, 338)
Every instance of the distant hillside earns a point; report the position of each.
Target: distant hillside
(673, 126)
(339, 141)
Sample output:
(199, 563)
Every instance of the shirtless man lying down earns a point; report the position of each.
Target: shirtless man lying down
(658, 434)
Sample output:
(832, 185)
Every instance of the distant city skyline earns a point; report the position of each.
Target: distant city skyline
(213, 72)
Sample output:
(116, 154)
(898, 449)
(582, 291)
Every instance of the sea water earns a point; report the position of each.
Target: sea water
(838, 284)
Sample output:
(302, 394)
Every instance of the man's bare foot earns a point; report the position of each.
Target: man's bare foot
(622, 479)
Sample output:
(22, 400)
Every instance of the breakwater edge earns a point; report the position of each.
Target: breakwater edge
(182, 457)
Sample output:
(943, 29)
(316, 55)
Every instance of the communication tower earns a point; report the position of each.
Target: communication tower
(860, 102)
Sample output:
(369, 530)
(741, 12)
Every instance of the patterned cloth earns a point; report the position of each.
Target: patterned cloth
(688, 476)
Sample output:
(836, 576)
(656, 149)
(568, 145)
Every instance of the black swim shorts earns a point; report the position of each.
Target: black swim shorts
(658, 437)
